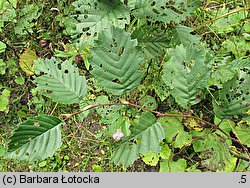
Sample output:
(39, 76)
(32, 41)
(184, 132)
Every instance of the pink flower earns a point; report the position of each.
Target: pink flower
(118, 135)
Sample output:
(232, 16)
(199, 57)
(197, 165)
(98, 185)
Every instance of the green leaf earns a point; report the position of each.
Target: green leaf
(152, 41)
(171, 166)
(225, 71)
(165, 152)
(27, 15)
(105, 110)
(214, 152)
(243, 165)
(243, 133)
(181, 35)
(42, 164)
(230, 164)
(26, 61)
(229, 23)
(161, 89)
(20, 80)
(116, 120)
(97, 168)
(61, 81)
(125, 154)
(149, 102)
(2, 67)
(236, 45)
(239, 64)
(35, 139)
(225, 125)
(2, 47)
(149, 135)
(182, 139)
(2, 151)
(187, 74)
(234, 98)
(151, 158)
(221, 75)
(158, 10)
(4, 99)
(174, 132)
(116, 60)
(199, 145)
(96, 16)
(246, 120)
(146, 134)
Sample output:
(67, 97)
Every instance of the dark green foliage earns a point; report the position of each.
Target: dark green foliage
(30, 140)
(138, 83)
(116, 60)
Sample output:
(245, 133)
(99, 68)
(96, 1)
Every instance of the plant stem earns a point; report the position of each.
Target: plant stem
(240, 142)
(159, 114)
(222, 16)
(239, 156)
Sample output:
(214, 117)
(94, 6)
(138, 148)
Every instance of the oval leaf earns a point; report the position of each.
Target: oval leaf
(147, 135)
(35, 139)
(61, 81)
(26, 61)
(116, 60)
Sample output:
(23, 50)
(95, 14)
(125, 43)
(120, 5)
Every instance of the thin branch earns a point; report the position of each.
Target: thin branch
(11, 4)
(30, 34)
(239, 156)
(220, 17)
(159, 114)
(240, 142)
(53, 109)
(68, 116)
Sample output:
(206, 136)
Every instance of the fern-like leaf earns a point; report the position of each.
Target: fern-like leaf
(35, 139)
(60, 81)
(116, 61)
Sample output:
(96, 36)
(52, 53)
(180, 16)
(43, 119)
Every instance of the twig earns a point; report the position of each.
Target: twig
(11, 4)
(30, 34)
(222, 16)
(239, 156)
(53, 109)
(68, 116)
(240, 142)
(159, 114)
(147, 71)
